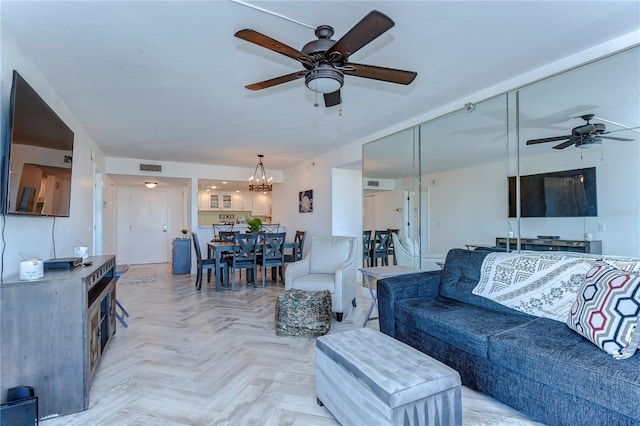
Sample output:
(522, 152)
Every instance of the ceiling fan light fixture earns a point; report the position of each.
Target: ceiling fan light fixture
(589, 143)
(324, 79)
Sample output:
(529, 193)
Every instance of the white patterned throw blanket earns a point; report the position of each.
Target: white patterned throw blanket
(540, 284)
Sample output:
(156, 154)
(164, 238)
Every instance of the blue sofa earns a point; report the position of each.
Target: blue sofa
(536, 365)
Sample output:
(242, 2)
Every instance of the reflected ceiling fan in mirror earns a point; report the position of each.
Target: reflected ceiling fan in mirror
(326, 61)
(589, 135)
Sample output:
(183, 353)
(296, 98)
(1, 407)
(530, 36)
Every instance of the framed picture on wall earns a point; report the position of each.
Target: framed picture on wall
(305, 201)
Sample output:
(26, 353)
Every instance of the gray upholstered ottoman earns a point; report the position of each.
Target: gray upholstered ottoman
(303, 313)
(365, 377)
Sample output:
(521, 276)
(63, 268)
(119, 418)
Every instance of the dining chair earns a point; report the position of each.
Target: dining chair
(366, 248)
(227, 235)
(243, 256)
(296, 252)
(380, 248)
(391, 246)
(270, 228)
(220, 227)
(203, 263)
(272, 255)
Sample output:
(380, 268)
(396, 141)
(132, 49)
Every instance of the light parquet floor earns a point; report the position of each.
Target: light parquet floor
(204, 357)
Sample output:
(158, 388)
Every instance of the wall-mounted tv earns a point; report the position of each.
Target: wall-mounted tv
(567, 193)
(38, 156)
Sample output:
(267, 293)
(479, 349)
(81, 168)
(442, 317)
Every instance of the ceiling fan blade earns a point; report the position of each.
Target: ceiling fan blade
(543, 140)
(271, 44)
(332, 99)
(615, 138)
(368, 29)
(380, 73)
(566, 144)
(275, 81)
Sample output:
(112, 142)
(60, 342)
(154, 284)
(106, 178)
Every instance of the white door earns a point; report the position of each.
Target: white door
(148, 226)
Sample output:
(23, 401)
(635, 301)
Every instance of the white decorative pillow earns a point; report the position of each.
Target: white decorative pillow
(606, 310)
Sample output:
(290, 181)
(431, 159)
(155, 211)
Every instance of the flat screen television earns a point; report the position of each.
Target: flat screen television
(38, 155)
(567, 193)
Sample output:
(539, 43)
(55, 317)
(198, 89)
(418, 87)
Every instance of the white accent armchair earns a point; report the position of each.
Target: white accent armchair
(330, 265)
(407, 253)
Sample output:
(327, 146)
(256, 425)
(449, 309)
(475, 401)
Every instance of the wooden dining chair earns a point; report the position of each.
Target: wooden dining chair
(380, 248)
(366, 248)
(296, 252)
(243, 257)
(272, 255)
(270, 228)
(203, 263)
(391, 247)
(219, 228)
(227, 235)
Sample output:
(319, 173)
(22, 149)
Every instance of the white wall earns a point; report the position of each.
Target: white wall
(32, 236)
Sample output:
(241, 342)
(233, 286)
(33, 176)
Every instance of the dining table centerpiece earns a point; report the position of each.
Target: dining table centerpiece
(254, 225)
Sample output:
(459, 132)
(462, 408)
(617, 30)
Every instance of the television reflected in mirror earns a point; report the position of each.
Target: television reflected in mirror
(38, 156)
(567, 193)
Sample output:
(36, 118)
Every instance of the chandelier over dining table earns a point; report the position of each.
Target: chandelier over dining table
(258, 181)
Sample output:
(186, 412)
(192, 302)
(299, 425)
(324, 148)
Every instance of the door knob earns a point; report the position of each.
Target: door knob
(164, 228)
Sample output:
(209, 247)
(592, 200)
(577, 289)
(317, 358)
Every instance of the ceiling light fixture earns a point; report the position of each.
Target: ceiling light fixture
(151, 185)
(324, 79)
(589, 142)
(259, 182)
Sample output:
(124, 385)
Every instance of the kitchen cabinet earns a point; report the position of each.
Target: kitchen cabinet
(209, 201)
(261, 205)
(242, 201)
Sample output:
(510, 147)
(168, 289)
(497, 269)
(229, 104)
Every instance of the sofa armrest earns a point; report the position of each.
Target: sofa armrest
(412, 286)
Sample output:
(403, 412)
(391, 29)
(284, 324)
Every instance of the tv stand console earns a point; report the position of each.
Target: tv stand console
(55, 331)
(537, 244)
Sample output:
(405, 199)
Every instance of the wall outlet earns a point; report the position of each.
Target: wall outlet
(601, 227)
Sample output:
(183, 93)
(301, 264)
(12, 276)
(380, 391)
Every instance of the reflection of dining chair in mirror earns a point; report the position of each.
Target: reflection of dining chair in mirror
(366, 248)
(220, 227)
(243, 257)
(380, 248)
(203, 263)
(272, 255)
(390, 249)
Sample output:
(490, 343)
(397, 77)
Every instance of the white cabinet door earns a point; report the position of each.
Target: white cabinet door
(226, 201)
(260, 205)
(242, 201)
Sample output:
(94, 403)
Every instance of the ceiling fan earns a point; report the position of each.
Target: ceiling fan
(588, 135)
(326, 61)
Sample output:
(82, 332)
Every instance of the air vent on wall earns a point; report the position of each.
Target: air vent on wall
(150, 168)
(378, 184)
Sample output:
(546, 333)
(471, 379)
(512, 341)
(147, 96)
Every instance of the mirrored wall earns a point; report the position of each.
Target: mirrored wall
(557, 158)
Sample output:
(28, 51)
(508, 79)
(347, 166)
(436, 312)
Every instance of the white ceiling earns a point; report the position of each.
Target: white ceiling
(164, 80)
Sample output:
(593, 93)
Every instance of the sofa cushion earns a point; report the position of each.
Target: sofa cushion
(461, 274)
(548, 352)
(606, 310)
(464, 326)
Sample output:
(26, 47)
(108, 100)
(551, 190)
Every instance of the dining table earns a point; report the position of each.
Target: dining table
(216, 248)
